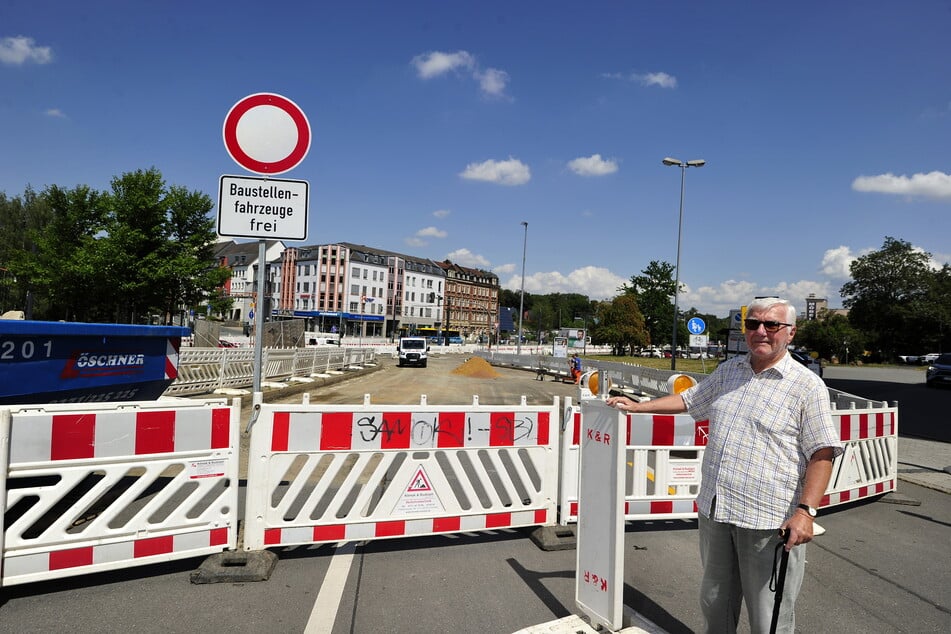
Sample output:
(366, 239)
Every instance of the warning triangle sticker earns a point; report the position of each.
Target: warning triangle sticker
(419, 482)
(419, 497)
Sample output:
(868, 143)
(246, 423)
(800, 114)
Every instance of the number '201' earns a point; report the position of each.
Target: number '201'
(8, 349)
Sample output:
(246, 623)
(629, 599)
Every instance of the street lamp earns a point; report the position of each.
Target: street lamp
(683, 165)
(521, 302)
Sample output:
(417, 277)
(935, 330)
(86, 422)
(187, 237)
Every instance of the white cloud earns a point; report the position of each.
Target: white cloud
(55, 113)
(18, 50)
(731, 294)
(656, 79)
(646, 79)
(465, 257)
(510, 172)
(931, 185)
(504, 269)
(595, 282)
(592, 165)
(441, 213)
(492, 81)
(431, 232)
(436, 63)
(836, 262)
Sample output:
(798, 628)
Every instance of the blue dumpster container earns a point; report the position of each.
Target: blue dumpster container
(66, 362)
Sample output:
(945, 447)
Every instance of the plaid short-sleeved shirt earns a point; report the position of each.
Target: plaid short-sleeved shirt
(763, 430)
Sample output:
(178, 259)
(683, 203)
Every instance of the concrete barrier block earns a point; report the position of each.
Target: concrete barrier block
(235, 567)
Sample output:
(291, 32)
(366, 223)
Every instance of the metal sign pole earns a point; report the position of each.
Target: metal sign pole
(259, 323)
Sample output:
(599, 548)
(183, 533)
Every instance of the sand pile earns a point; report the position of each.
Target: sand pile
(477, 368)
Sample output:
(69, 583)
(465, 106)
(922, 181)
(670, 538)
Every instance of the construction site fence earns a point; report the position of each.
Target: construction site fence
(206, 370)
(94, 487)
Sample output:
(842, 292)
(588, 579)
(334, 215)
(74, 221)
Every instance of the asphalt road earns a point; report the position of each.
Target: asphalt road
(882, 566)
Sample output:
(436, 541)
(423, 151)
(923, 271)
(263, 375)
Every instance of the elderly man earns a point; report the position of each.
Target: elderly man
(766, 466)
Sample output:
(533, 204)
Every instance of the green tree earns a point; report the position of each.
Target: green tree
(109, 256)
(653, 291)
(936, 312)
(189, 273)
(65, 265)
(888, 297)
(831, 335)
(620, 324)
(20, 223)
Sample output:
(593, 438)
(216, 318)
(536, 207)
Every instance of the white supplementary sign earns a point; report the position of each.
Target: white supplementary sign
(699, 341)
(266, 208)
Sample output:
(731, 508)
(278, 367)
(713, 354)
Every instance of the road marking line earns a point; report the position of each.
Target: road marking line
(327, 604)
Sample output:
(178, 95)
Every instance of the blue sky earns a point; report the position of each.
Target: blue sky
(439, 127)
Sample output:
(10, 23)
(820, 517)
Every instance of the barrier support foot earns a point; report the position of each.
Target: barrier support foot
(236, 567)
(550, 538)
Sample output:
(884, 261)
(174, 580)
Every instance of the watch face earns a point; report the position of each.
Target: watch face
(808, 509)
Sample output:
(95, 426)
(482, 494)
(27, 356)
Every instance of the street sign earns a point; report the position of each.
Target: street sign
(265, 208)
(266, 133)
(696, 326)
(699, 341)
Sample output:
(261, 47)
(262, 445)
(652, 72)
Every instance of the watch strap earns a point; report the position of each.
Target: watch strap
(808, 509)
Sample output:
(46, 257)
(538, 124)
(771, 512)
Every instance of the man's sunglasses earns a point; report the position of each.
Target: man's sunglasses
(770, 326)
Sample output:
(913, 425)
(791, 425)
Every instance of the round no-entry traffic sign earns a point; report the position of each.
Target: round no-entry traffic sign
(266, 133)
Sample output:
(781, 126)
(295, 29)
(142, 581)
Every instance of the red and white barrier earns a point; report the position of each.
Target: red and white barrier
(116, 485)
(331, 473)
(664, 454)
(869, 465)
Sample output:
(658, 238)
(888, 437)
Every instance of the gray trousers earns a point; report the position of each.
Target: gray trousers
(737, 564)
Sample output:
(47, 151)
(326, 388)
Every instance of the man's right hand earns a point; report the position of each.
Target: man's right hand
(622, 403)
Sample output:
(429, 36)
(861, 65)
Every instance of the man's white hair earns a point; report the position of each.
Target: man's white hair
(762, 304)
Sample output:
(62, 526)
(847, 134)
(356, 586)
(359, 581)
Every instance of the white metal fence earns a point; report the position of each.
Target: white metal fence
(205, 370)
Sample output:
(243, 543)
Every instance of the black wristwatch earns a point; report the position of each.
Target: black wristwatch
(809, 509)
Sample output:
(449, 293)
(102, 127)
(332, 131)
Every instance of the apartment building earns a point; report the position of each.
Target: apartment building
(362, 291)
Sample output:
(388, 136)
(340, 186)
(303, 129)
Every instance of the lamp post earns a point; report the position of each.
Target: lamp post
(521, 302)
(683, 165)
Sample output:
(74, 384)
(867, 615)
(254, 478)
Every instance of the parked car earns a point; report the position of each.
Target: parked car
(910, 359)
(806, 360)
(939, 372)
(929, 358)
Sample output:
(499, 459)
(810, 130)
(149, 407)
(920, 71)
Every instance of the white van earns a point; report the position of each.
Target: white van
(413, 351)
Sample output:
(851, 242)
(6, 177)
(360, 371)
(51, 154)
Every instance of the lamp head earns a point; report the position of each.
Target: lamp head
(696, 163)
(671, 161)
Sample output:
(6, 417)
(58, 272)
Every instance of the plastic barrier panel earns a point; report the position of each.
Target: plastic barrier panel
(116, 485)
(869, 465)
(337, 473)
(664, 456)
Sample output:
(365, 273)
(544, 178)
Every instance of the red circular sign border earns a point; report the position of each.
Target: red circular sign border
(230, 133)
